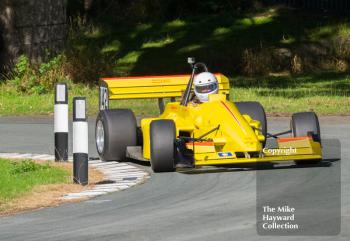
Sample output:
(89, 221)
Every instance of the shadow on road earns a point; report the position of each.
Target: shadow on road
(257, 167)
(331, 152)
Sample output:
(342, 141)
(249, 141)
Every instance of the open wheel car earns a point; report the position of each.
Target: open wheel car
(188, 134)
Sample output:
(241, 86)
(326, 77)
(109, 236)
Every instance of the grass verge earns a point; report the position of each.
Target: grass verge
(325, 93)
(26, 185)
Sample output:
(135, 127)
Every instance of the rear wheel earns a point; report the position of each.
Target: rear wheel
(256, 111)
(306, 124)
(162, 134)
(115, 130)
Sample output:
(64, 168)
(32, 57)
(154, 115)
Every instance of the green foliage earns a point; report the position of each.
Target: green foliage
(252, 43)
(20, 70)
(22, 65)
(37, 78)
(229, 39)
(303, 46)
(156, 10)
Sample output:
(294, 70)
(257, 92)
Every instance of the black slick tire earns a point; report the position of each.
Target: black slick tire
(120, 130)
(162, 144)
(304, 124)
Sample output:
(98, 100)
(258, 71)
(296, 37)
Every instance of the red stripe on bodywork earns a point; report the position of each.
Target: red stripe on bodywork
(206, 143)
(228, 109)
(287, 139)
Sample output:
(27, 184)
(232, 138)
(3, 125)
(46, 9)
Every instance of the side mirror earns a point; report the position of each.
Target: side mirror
(191, 60)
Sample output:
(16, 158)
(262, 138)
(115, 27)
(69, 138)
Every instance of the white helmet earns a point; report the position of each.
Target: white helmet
(205, 83)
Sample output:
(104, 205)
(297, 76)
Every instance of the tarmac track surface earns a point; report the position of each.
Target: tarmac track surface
(210, 205)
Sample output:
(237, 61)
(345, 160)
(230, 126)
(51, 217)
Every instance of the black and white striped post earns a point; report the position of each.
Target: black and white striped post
(80, 141)
(61, 122)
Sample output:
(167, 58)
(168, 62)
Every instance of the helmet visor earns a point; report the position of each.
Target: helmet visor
(203, 89)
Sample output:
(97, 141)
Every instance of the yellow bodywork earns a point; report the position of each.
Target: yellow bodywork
(237, 139)
(154, 86)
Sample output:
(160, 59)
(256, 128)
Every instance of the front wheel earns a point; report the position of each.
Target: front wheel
(306, 124)
(162, 134)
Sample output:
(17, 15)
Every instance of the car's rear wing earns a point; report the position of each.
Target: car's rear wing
(146, 87)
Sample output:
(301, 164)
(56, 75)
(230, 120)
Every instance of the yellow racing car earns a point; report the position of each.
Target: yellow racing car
(200, 126)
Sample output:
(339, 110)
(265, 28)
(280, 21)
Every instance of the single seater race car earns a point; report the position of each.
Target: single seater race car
(189, 133)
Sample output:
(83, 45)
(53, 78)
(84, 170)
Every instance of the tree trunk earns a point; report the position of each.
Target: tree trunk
(31, 27)
(8, 42)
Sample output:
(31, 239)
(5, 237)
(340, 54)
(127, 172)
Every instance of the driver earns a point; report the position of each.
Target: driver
(205, 84)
